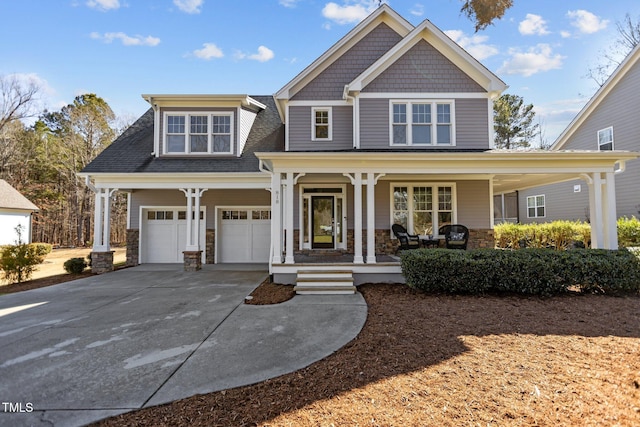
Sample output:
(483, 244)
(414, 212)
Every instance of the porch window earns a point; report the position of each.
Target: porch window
(423, 208)
(605, 139)
(199, 133)
(321, 129)
(422, 123)
(535, 206)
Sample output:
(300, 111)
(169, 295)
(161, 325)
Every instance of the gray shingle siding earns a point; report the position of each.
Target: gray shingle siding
(423, 69)
(300, 122)
(330, 83)
(131, 152)
(472, 124)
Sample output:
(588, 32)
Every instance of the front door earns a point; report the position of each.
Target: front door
(322, 222)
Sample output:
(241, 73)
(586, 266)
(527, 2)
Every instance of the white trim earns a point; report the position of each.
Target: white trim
(434, 219)
(490, 120)
(424, 95)
(434, 121)
(335, 103)
(156, 130)
(204, 100)
(302, 227)
(210, 134)
(286, 128)
(329, 112)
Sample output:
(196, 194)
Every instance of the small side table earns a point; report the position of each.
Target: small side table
(429, 242)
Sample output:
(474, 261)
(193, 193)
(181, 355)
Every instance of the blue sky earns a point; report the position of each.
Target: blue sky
(120, 49)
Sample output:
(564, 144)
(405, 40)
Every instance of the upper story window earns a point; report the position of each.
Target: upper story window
(321, 126)
(605, 139)
(199, 133)
(422, 123)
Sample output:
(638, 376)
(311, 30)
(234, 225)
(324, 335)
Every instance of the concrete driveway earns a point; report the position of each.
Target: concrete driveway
(85, 350)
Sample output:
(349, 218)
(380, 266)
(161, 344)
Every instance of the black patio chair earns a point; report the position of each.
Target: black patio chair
(456, 236)
(407, 241)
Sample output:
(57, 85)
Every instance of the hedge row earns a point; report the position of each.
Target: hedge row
(561, 234)
(527, 271)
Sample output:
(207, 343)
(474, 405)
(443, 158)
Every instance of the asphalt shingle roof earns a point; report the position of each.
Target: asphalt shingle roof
(10, 198)
(131, 152)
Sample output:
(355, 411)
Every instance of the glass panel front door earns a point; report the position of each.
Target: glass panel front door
(322, 221)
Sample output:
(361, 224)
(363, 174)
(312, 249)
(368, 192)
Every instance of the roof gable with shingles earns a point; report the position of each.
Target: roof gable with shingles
(10, 198)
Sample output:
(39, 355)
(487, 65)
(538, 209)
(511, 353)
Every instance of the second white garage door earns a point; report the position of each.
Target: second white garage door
(244, 234)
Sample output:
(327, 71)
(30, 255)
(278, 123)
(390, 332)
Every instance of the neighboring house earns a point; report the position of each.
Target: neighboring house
(609, 121)
(15, 210)
(392, 124)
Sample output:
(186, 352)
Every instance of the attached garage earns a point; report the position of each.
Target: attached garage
(244, 234)
(164, 237)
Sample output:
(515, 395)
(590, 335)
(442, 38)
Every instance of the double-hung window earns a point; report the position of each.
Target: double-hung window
(422, 123)
(199, 133)
(535, 206)
(605, 139)
(321, 125)
(423, 208)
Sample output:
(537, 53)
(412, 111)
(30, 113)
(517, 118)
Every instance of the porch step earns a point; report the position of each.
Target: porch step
(327, 282)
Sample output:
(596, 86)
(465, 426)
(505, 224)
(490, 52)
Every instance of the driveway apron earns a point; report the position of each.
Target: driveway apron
(88, 349)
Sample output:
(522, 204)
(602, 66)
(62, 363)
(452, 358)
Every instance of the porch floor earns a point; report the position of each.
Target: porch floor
(340, 259)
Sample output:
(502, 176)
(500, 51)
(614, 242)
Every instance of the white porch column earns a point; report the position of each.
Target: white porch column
(276, 218)
(610, 213)
(357, 214)
(97, 223)
(595, 210)
(190, 245)
(106, 222)
(288, 217)
(371, 219)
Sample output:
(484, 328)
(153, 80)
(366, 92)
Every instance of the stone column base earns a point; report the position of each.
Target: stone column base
(101, 262)
(192, 260)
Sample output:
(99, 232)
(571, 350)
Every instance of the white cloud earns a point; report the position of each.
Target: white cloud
(417, 10)
(586, 22)
(565, 34)
(288, 3)
(476, 44)
(533, 25)
(189, 6)
(537, 59)
(350, 12)
(264, 54)
(209, 51)
(126, 39)
(104, 5)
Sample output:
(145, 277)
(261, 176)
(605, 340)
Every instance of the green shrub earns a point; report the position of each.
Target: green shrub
(628, 231)
(18, 261)
(75, 265)
(557, 234)
(43, 249)
(527, 271)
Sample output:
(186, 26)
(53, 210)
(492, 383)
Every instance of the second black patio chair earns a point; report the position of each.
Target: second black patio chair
(407, 241)
(456, 236)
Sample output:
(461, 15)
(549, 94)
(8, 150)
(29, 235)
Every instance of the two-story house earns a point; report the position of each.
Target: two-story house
(392, 124)
(609, 121)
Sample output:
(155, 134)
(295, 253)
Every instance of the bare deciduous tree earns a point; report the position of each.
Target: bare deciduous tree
(17, 98)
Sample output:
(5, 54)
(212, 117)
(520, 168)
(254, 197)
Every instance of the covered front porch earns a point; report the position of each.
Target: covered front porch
(362, 194)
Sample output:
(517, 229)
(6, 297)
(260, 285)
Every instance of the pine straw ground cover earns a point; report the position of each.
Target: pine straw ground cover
(444, 360)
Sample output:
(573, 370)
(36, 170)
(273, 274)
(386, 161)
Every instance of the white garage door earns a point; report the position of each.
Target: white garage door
(164, 235)
(244, 234)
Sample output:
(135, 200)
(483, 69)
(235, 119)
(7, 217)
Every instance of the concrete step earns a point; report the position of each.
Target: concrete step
(309, 282)
(327, 290)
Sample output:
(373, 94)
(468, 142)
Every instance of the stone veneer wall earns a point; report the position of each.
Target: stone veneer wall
(210, 246)
(192, 260)
(101, 262)
(133, 243)
(481, 238)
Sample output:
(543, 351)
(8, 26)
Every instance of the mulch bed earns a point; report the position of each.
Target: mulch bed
(448, 361)
(270, 293)
(41, 283)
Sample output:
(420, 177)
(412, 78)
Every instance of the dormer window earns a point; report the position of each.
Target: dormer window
(199, 133)
(605, 139)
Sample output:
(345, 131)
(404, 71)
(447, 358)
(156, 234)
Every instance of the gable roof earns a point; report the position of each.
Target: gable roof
(132, 151)
(617, 75)
(440, 41)
(10, 198)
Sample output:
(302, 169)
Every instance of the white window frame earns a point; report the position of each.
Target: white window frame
(608, 130)
(410, 208)
(210, 135)
(329, 111)
(536, 206)
(434, 121)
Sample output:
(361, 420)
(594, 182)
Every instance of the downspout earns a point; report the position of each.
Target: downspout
(356, 114)
(87, 182)
(263, 168)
